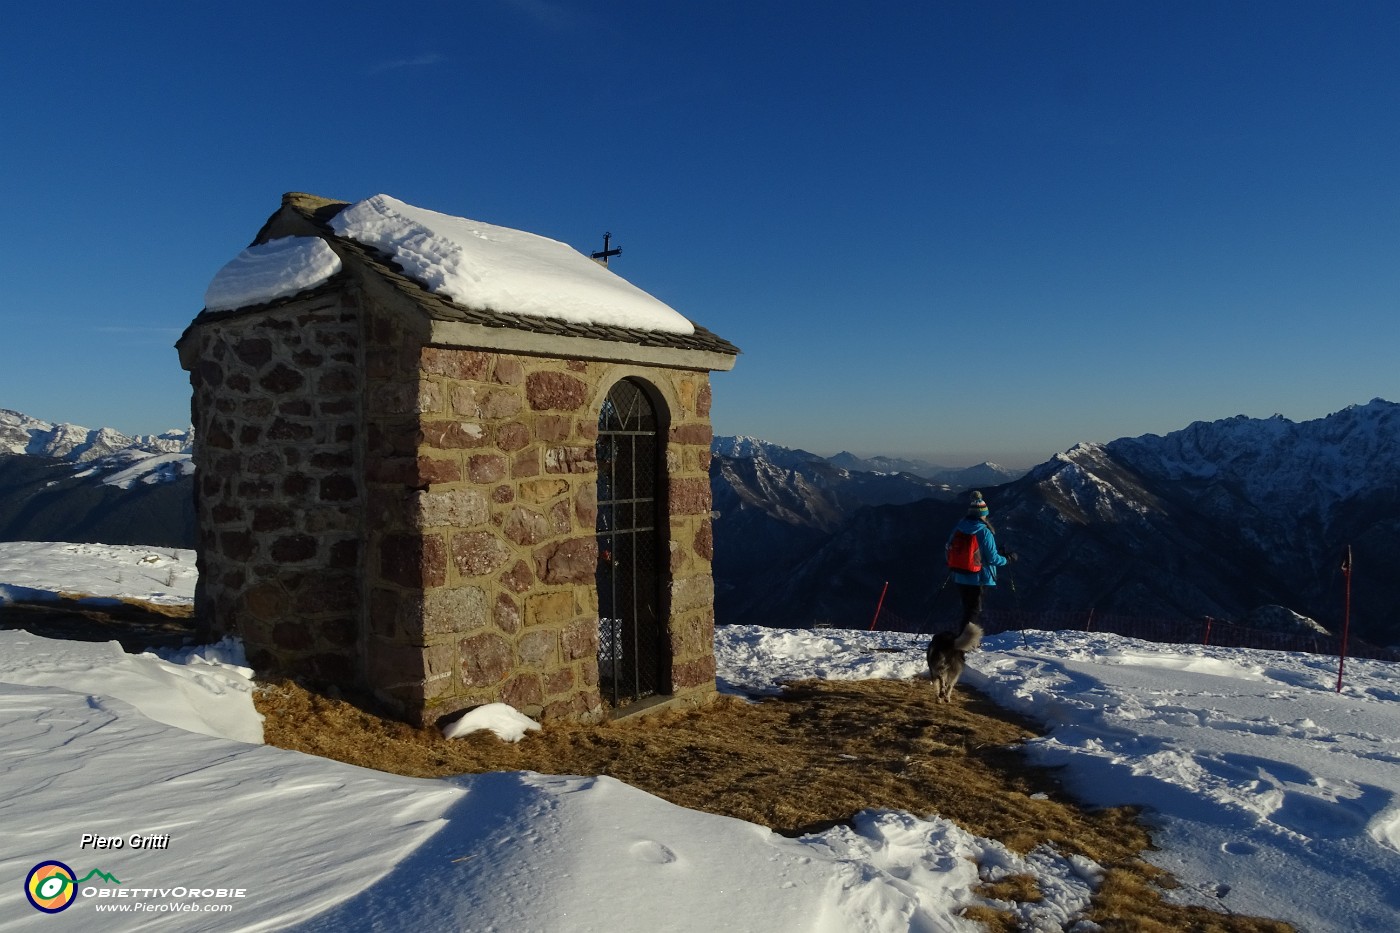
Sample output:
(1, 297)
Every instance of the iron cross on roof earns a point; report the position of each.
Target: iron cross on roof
(603, 254)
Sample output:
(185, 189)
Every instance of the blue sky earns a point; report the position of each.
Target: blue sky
(963, 230)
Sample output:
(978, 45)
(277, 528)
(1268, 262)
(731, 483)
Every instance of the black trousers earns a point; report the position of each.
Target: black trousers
(971, 603)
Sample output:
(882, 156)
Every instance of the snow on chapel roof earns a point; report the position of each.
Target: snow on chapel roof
(454, 269)
(480, 265)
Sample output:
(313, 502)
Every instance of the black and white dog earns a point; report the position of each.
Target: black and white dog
(946, 656)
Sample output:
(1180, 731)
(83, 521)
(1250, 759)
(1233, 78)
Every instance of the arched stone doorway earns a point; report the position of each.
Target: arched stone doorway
(633, 648)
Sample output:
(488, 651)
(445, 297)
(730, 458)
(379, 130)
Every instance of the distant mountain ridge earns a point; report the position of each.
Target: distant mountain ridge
(1219, 519)
(980, 474)
(21, 434)
(69, 483)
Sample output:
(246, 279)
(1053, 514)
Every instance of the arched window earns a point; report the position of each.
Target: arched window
(633, 650)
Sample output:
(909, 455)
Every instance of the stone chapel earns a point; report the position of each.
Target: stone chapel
(447, 500)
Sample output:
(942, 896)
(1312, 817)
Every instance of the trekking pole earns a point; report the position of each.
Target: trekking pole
(879, 605)
(1016, 598)
(1346, 617)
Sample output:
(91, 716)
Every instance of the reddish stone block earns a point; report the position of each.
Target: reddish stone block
(525, 526)
(519, 578)
(507, 615)
(453, 435)
(551, 391)
(696, 433)
(571, 561)
(524, 692)
(586, 505)
(689, 496)
(512, 436)
(579, 640)
(486, 468)
(697, 673)
(434, 470)
(508, 371)
(559, 680)
(478, 552)
(704, 542)
(456, 364)
(485, 659)
(554, 428)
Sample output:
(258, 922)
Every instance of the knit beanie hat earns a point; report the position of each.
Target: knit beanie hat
(977, 507)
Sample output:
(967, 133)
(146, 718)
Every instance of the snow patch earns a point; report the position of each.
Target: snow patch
(492, 268)
(268, 271)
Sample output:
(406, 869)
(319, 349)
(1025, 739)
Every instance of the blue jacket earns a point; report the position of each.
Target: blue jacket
(991, 558)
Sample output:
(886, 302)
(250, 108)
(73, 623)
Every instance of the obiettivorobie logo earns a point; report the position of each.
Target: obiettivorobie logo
(52, 886)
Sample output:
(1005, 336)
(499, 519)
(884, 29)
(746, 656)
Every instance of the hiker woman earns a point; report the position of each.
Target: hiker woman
(973, 558)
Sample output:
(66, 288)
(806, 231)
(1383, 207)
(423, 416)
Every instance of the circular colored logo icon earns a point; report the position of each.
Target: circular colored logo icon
(51, 887)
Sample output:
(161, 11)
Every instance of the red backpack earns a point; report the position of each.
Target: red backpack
(964, 555)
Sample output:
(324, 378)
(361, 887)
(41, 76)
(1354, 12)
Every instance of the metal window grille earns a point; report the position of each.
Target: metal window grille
(632, 651)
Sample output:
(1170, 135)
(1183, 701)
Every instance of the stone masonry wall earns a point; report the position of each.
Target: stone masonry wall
(421, 520)
(277, 419)
(482, 493)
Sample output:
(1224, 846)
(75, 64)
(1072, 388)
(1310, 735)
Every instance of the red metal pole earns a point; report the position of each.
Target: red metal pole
(879, 605)
(1346, 618)
(1209, 620)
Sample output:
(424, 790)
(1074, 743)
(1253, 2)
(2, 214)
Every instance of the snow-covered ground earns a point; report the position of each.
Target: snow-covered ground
(33, 571)
(1269, 793)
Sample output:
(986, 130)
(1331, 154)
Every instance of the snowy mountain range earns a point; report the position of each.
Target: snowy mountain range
(62, 482)
(21, 434)
(1218, 519)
